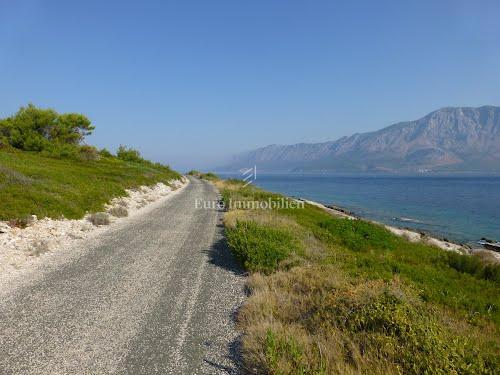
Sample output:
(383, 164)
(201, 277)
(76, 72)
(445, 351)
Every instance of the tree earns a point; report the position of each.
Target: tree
(34, 129)
(71, 128)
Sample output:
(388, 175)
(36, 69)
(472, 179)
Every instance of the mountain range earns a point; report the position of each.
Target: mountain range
(450, 139)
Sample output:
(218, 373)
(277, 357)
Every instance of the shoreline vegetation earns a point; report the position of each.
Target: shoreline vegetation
(333, 295)
(415, 236)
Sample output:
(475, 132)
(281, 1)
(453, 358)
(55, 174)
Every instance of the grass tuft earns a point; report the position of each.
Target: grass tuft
(99, 218)
(118, 211)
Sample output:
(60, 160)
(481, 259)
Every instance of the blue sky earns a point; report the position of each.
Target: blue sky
(190, 82)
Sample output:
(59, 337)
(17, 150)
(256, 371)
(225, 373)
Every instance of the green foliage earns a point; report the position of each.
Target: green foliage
(105, 153)
(391, 323)
(89, 153)
(260, 248)
(371, 251)
(32, 184)
(473, 266)
(36, 129)
(194, 172)
(129, 154)
(360, 235)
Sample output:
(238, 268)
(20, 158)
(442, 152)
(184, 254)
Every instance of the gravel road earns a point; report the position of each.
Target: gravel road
(155, 295)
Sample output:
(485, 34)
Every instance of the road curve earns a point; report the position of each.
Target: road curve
(156, 295)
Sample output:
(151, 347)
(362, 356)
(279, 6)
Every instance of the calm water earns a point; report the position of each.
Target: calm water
(456, 207)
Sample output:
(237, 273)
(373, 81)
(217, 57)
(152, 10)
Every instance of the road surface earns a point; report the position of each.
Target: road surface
(155, 295)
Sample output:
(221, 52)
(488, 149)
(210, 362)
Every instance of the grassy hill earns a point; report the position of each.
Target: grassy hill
(332, 295)
(46, 170)
(31, 184)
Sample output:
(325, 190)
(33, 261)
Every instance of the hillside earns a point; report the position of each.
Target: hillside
(46, 170)
(449, 139)
(32, 184)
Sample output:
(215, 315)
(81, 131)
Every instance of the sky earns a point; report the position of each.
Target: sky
(190, 83)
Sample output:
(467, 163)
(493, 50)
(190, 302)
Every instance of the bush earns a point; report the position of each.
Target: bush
(118, 211)
(88, 153)
(35, 129)
(99, 218)
(105, 153)
(360, 235)
(474, 266)
(260, 248)
(61, 151)
(129, 154)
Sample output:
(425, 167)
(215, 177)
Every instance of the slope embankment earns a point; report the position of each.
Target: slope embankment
(48, 203)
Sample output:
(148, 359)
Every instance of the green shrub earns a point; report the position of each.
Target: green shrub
(360, 235)
(129, 154)
(88, 153)
(391, 323)
(260, 248)
(61, 151)
(474, 266)
(35, 129)
(105, 153)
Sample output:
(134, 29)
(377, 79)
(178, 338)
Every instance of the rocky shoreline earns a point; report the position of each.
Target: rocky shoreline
(413, 236)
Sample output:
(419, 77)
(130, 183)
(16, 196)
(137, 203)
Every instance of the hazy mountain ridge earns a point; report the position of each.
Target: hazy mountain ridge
(449, 139)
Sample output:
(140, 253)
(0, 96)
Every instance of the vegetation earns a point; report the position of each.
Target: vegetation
(261, 248)
(45, 170)
(210, 176)
(35, 129)
(333, 295)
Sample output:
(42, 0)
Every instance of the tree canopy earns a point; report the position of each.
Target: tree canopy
(36, 129)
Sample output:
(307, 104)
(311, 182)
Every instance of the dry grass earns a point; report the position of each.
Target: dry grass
(315, 320)
(40, 247)
(99, 218)
(118, 211)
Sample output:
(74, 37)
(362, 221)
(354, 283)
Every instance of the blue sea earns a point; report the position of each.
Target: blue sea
(459, 208)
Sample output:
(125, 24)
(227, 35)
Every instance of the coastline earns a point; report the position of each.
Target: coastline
(411, 235)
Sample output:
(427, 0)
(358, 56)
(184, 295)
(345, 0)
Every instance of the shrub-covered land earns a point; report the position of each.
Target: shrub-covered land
(46, 170)
(333, 295)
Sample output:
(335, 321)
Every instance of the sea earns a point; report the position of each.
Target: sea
(460, 208)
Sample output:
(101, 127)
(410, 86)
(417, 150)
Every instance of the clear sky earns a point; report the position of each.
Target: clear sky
(189, 82)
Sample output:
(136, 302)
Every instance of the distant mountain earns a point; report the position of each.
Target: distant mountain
(449, 139)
